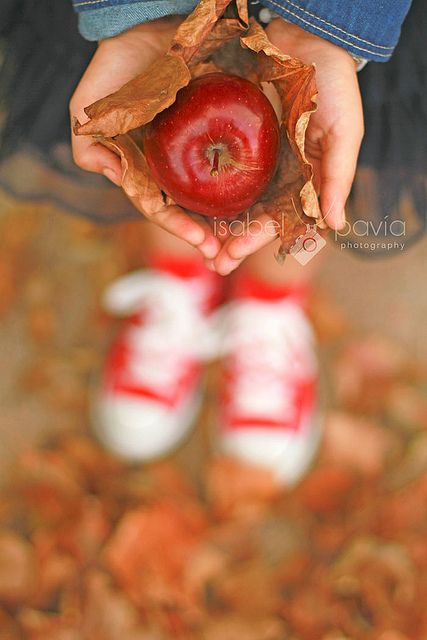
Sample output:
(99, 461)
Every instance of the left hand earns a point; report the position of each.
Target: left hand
(333, 137)
(117, 60)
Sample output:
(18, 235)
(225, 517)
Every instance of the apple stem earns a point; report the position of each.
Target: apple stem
(215, 163)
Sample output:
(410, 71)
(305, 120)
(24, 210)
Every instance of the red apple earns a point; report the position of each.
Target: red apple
(215, 150)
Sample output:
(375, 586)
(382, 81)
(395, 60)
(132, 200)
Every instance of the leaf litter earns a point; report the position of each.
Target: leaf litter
(91, 548)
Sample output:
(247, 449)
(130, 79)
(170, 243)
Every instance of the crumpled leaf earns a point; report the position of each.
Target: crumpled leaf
(232, 627)
(196, 30)
(366, 371)
(240, 490)
(249, 590)
(326, 489)
(138, 101)
(37, 625)
(8, 627)
(148, 552)
(292, 193)
(378, 574)
(344, 434)
(199, 46)
(17, 569)
(136, 179)
(108, 614)
(50, 487)
(413, 465)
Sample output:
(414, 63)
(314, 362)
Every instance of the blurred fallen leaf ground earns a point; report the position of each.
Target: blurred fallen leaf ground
(196, 547)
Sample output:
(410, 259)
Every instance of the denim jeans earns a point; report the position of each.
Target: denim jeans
(369, 29)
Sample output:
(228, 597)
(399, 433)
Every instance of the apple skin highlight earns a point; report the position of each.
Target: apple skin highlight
(215, 150)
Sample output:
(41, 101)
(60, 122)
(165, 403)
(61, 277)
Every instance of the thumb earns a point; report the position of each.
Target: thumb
(92, 156)
(338, 166)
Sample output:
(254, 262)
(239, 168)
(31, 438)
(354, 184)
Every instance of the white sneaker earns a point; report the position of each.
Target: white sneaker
(149, 394)
(268, 410)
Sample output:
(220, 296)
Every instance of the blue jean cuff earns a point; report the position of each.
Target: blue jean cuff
(320, 27)
(110, 21)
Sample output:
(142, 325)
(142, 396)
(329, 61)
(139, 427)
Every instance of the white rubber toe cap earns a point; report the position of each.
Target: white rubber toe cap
(141, 429)
(287, 455)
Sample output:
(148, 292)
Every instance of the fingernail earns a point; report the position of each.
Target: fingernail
(210, 251)
(226, 270)
(112, 175)
(341, 220)
(210, 265)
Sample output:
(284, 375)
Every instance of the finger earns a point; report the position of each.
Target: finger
(93, 157)
(105, 74)
(220, 227)
(338, 166)
(210, 264)
(211, 245)
(257, 233)
(180, 224)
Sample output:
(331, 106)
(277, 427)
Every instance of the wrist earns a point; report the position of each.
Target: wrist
(359, 62)
(307, 46)
(155, 33)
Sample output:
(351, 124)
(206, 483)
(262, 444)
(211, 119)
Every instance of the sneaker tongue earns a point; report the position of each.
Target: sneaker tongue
(249, 286)
(180, 266)
(207, 283)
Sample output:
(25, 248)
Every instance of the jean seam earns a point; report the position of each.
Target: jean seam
(80, 4)
(347, 33)
(329, 33)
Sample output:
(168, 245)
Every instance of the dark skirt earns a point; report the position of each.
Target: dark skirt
(44, 57)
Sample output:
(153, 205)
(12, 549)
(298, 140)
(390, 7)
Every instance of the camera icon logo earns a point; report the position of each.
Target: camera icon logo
(307, 245)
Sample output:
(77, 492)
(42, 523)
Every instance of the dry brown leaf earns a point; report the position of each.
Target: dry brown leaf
(83, 453)
(223, 31)
(83, 536)
(380, 575)
(49, 486)
(199, 46)
(9, 288)
(108, 614)
(296, 86)
(278, 539)
(148, 551)
(329, 321)
(233, 627)
(355, 443)
(206, 563)
(44, 626)
(41, 323)
(55, 569)
(17, 568)
(136, 179)
(413, 465)
(306, 610)
(326, 489)
(407, 407)
(195, 32)
(366, 371)
(240, 490)
(392, 634)
(249, 590)
(138, 101)
(8, 627)
(400, 513)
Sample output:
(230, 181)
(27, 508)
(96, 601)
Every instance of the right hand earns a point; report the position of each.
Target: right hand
(116, 61)
(333, 135)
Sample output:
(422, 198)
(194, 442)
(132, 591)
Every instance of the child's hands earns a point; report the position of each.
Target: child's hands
(116, 61)
(332, 143)
(333, 136)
